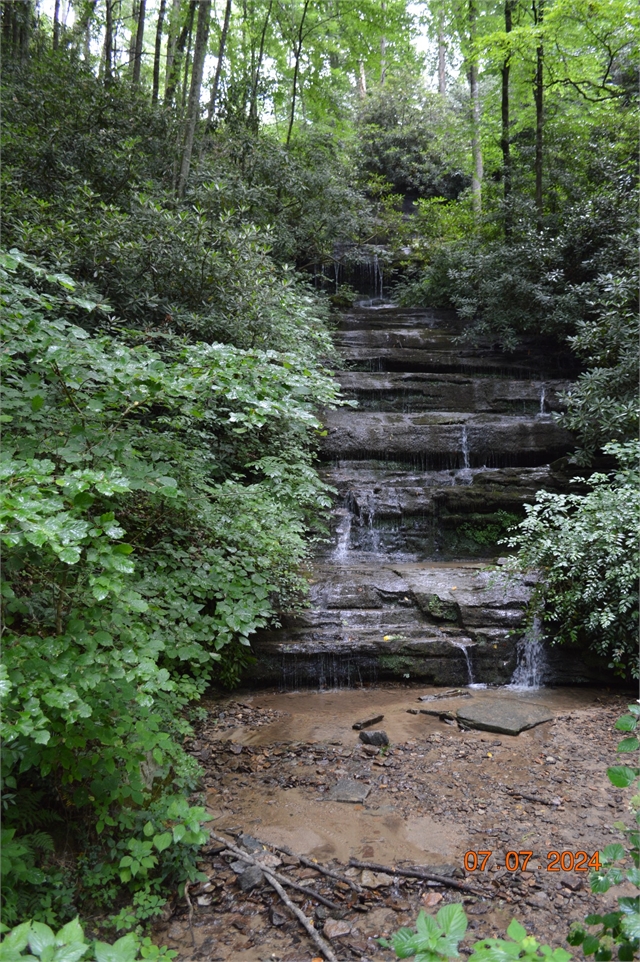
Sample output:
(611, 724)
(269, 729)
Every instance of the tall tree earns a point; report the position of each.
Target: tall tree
(193, 111)
(137, 54)
(174, 61)
(442, 51)
(56, 24)
(158, 52)
(221, 51)
(505, 139)
(474, 93)
(538, 19)
(296, 69)
(253, 101)
(108, 41)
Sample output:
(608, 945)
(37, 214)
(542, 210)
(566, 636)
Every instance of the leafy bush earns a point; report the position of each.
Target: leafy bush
(33, 941)
(585, 546)
(155, 501)
(435, 939)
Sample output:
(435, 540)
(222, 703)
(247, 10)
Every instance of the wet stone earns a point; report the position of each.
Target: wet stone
(367, 722)
(349, 790)
(336, 928)
(504, 715)
(374, 738)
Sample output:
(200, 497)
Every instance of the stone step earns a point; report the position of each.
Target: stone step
(444, 440)
(458, 360)
(413, 392)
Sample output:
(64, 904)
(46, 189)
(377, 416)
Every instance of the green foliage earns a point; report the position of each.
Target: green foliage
(199, 455)
(518, 946)
(585, 547)
(33, 941)
(489, 532)
(434, 940)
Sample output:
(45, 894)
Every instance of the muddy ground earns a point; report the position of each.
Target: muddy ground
(272, 762)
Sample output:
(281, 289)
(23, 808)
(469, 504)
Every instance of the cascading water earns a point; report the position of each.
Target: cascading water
(532, 662)
(341, 549)
(465, 448)
(467, 656)
(542, 398)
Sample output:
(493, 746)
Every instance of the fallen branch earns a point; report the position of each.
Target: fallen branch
(418, 873)
(245, 857)
(274, 879)
(317, 939)
(286, 881)
(190, 918)
(319, 868)
(534, 798)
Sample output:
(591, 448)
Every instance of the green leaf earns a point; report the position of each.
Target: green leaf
(621, 776)
(453, 920)
(628, 745)
(18, 938)
(626, 723)
(40, 937)
(516, 931)
(613, 852)
(590, 944)
(36, 403)
(630, 925)
(71, 932)
(163, 841)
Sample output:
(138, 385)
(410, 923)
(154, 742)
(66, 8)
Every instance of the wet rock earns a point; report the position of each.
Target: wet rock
(367, 723)
(349, 790)
(374, 738)
(375, 880)
(249, 876)
(277, 918)
(250, 844)
(336, 928)
(507, 716)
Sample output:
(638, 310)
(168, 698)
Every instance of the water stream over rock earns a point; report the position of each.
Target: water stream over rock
(447, 445)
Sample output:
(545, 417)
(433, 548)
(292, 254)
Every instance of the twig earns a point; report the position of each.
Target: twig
(286, 881)
(273, 878)
(534, 798)
(190, 904)
(317, 939)
(418, 873)
(319, 868)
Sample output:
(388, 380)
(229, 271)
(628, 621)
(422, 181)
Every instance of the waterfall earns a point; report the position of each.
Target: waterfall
(532, 661)
(341, 549)
(542, 396)
(467, 656)
(465, 447)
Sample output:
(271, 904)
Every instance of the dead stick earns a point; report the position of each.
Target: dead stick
(534, 798)
(190, 906)
(324, 947)
(287, 881)
(418, 873)
(319, 868)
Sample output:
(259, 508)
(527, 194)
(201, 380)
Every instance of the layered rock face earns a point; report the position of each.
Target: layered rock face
(446, 446)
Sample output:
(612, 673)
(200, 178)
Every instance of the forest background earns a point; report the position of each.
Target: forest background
(188, 188)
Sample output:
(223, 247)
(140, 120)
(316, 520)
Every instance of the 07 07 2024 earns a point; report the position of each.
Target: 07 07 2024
(517, 861)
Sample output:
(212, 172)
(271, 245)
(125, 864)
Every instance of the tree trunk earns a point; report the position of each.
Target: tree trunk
(383, 50)
(172, 41)
(132, 37)
(137, 57)
(56, 25)
(296, 70)
(505, 140)
(538, 14)
(221, 48)
(476, 147)
(108, 42)
(253, 104)
(158, 52)
(202, 36)
(442, 50)
(173, 67)
(187, 62)
(362, 81)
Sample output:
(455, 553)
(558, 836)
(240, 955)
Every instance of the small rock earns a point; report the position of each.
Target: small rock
(431, 899)
(539, 900)
(250, 843)
(367, 722)
(176, 931)
(204, 899)
(375, 880)
(374, 738)
(349, 790)
(370, 749)
(336, 928)
(277, 918)
(250, 878)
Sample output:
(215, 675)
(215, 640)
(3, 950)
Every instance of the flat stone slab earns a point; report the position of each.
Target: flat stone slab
(504, 715)
(348, 790)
